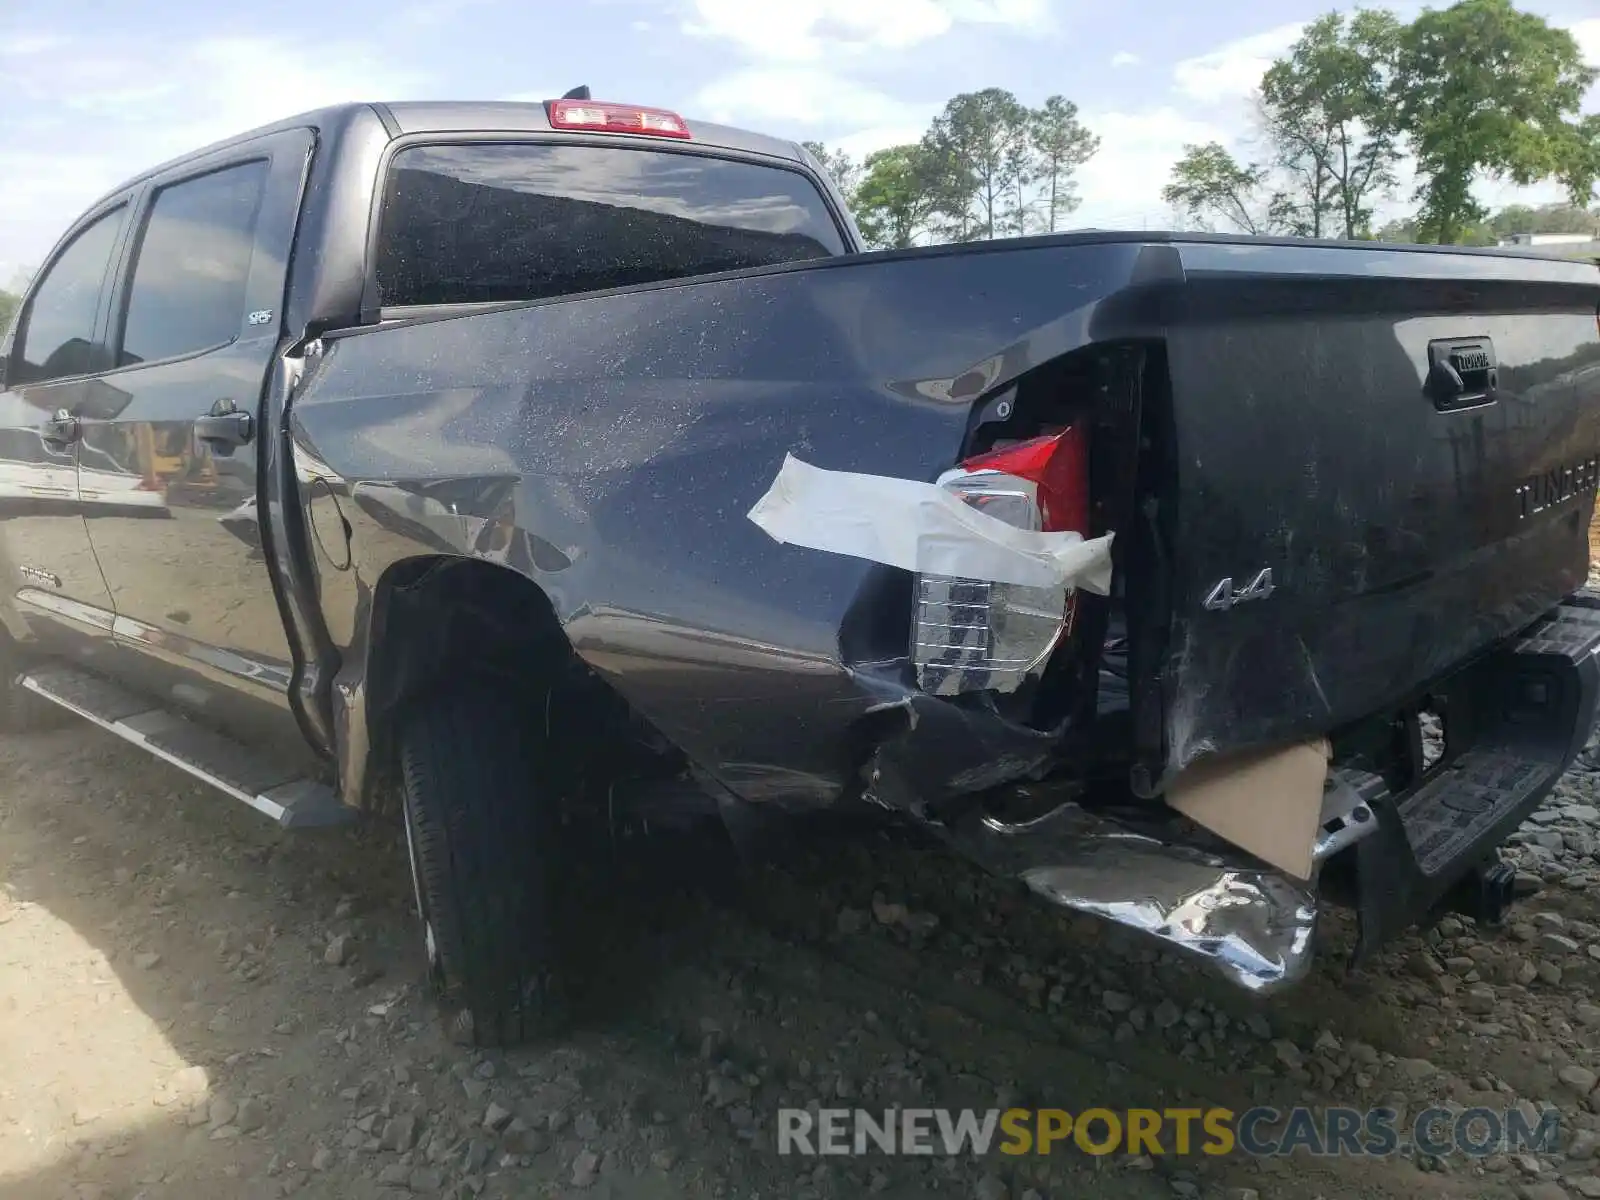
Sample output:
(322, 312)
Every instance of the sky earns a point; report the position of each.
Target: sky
(96, 93)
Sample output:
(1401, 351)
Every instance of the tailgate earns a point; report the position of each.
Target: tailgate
(1385, 461)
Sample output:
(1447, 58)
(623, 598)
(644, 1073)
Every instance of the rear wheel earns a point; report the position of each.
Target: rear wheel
(480, 828)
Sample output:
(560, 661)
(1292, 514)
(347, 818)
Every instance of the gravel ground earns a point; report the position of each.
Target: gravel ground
(195, 1005)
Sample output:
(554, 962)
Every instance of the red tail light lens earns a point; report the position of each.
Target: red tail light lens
(1058, 466)
(601, 117)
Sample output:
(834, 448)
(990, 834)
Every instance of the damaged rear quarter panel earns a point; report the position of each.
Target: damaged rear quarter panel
(608, 447)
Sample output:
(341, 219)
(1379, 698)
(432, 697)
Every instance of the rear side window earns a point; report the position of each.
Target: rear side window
(188, 290)
(485, 223)
(57, 334)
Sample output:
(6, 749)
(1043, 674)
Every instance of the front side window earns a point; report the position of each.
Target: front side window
(495, 222)
(57, 334)
(189, 280)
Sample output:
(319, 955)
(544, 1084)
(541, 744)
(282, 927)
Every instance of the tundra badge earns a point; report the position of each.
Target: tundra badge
(1559, 484)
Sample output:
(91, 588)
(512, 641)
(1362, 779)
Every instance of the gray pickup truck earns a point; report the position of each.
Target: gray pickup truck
(497, 467)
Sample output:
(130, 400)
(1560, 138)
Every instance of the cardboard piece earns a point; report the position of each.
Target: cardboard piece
(1268, 802)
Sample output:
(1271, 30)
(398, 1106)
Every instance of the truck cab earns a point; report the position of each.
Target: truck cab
(148, 368)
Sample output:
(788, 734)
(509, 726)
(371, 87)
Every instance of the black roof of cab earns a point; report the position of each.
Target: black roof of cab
(462, 116)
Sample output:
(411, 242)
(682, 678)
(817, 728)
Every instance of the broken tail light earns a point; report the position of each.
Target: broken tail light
(977, 635)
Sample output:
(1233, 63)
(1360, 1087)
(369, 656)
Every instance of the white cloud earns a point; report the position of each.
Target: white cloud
(426, 14)
(29, 43)
(1125, 58)
(233, 83)
(1121, 185)
(794, 83)
(205, 90)
(44, 190)
(1233, 70)
(241, 82)
(1020, 14)
(802, 95)
(806, 29)
(1588, 35)
(811, 30)
(880, 137)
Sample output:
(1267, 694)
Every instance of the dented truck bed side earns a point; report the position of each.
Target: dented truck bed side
(608, 447)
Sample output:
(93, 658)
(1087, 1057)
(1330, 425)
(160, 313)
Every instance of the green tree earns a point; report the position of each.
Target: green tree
(844, 170)
(1480, 88)
(1401, 229)
(1209, 185)
(8, 311)
(1020, 206)
(1406, 229)
(974, 144)
(1580, 155)
(1513, 218)
(1548, 218)
(1061, 144)
(1323, 109)
(895, 197)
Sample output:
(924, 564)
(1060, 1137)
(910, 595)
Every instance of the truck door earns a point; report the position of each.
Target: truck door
(52, 587)
(169, 465)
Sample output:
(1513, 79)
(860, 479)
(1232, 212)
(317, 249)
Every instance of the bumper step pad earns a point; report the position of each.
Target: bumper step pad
(1533, 706)
(1446, 818)
(277, 792)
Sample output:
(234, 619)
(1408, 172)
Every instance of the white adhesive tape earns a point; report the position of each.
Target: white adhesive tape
(922, 527)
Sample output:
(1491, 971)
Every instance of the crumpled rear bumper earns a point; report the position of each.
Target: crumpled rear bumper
(1251, 922)
(1528, 707)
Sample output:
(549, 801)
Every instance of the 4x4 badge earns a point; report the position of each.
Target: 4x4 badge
(1222, 596)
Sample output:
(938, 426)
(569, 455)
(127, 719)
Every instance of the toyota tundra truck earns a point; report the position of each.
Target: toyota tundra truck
(501, 467)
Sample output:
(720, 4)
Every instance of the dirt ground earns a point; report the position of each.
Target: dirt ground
(195, 1005)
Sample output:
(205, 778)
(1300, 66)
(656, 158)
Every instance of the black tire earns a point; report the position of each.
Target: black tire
(480, 832)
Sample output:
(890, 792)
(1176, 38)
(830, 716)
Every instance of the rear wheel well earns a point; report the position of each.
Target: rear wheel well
(439, 620)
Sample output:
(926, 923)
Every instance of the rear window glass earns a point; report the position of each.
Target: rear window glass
(488, 223)
(194, 265)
